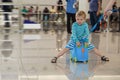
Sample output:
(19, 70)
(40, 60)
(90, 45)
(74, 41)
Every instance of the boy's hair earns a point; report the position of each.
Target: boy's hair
(81, 13)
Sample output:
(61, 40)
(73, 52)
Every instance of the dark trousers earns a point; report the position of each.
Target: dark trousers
(119, 18)
(93, 19)
(70, 20)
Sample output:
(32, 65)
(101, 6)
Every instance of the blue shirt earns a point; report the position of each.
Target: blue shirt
(69, 8)
(93, 5)
(80, 32)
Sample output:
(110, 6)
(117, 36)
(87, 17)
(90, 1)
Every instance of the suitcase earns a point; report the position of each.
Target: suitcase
(79, 54)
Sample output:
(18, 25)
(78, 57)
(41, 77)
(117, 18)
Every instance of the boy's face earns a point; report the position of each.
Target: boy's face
(80, 19)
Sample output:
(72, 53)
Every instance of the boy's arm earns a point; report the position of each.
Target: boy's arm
(74, 36)
(86, 34)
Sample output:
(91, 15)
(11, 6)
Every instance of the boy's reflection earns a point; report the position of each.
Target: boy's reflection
(79, 71)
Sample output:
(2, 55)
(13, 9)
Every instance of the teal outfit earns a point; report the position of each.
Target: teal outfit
(80, 33)
(24, 10)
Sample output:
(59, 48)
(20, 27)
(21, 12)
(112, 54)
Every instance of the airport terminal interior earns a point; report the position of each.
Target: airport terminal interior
(28, 42)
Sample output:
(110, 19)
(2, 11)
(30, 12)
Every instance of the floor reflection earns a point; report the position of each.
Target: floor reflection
(59, 40)
(95, 39)
(6, 46)
(79, 71)
(30, 53)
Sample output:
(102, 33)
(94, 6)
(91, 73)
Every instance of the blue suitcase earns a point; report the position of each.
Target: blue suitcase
(79, 54)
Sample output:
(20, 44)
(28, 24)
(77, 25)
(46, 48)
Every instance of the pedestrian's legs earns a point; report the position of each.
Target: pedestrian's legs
(73, 18)
(98, 25)
(68, 23)
(93, 19)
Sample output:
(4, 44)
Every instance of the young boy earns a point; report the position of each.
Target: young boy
(80, 33)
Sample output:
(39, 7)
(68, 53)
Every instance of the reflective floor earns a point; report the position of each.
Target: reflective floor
(26, 55)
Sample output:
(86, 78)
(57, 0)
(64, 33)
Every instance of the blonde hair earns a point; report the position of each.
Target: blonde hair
(81, 13)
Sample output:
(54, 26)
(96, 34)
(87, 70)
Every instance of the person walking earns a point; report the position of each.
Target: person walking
(70, 11)
(94, 11)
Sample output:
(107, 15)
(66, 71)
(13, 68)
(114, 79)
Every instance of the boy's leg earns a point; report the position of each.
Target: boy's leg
(54, 60)
(62, 52)
(97, 52)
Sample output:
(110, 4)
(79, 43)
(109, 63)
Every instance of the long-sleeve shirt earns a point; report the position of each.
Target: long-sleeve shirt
(93, 5)
(80, 33)
(69, 7)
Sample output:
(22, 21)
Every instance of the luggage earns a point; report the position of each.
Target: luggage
(80, 54)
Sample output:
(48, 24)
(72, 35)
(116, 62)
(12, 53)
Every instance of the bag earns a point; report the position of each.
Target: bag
(80, 54)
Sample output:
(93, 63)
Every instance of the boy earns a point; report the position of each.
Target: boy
(80, 33)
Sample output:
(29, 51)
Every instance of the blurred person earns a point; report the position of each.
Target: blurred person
(46, 16)
(7, 8)
(94, 11)
(53, 13)
(31, 11)
(70, 11)
(24, 11)
(60, 6)
(114, 16)
(37, 13)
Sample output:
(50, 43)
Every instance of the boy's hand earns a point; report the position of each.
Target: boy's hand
(78, 44)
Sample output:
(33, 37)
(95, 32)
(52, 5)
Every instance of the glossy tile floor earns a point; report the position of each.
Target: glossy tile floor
(27, 55)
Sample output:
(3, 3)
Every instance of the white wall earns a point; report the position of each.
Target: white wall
(84, 5)
(36, 1)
